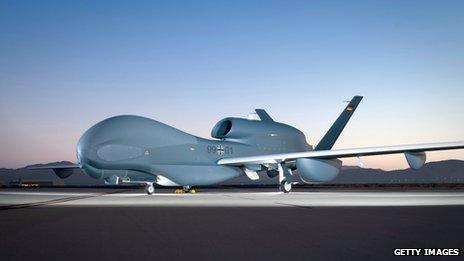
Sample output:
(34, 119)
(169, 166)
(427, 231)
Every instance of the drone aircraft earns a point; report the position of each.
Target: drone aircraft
(135, 149)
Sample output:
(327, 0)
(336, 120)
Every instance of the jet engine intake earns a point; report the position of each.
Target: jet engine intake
(234, 128)
(318, 170)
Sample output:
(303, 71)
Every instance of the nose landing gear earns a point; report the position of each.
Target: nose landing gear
(149, 188)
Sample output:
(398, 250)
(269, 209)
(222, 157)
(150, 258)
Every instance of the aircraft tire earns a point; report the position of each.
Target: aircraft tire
(285, 186)
(149, 189)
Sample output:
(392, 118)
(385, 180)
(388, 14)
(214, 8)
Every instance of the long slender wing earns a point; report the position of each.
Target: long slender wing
(61, 170)
(58, 166)
(340, 153)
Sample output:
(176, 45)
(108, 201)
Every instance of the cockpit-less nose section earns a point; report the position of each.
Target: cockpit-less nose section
(142, 150)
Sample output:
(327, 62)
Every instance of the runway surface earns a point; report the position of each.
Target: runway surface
(104, 224)
(226, 198)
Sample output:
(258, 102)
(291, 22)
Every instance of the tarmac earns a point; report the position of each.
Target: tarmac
(226, 224)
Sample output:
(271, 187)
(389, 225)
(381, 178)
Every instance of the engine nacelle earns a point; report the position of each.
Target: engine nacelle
(415, 159)
(236, 128)
(318, 170)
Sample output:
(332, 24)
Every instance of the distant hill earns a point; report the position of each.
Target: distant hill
(449, 171)
(48, 164)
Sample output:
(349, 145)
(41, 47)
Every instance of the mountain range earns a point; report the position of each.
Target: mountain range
(449, 171)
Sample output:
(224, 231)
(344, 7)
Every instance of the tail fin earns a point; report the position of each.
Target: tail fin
(263, 116)
(334, 132)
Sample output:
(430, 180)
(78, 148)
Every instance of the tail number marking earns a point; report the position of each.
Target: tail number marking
(220, 150)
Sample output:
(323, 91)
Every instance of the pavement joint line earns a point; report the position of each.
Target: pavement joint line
(230, 196)
(293, 205)
(275, 203)
(55, 201)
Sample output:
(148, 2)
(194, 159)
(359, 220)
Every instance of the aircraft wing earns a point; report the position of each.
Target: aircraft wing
(340, 153)
(61, 170)
(58, 166)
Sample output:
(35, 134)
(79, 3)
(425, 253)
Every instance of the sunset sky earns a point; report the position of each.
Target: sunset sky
(65, 65)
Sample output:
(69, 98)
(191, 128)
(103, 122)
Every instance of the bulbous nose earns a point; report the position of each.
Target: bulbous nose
(84, 147)
(81, 153)
(84, 156)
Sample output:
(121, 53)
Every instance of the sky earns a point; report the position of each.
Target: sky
(66, 65)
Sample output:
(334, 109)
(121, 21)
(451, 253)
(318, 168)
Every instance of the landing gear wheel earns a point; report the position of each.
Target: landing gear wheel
(150, 189)
(189, 189)
(185, 189)
(285, 186)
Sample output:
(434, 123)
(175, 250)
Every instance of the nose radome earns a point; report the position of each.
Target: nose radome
(84, 156)
(84, 146)
(82, 153)
(102, 142)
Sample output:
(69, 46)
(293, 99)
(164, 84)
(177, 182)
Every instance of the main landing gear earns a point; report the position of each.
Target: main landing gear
(285, 186)
(284, 174)
(149, 188)
(185, 189)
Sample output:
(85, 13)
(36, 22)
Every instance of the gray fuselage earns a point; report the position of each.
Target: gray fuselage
(144, 149)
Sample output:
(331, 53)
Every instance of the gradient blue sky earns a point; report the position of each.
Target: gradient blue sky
(65, 65)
